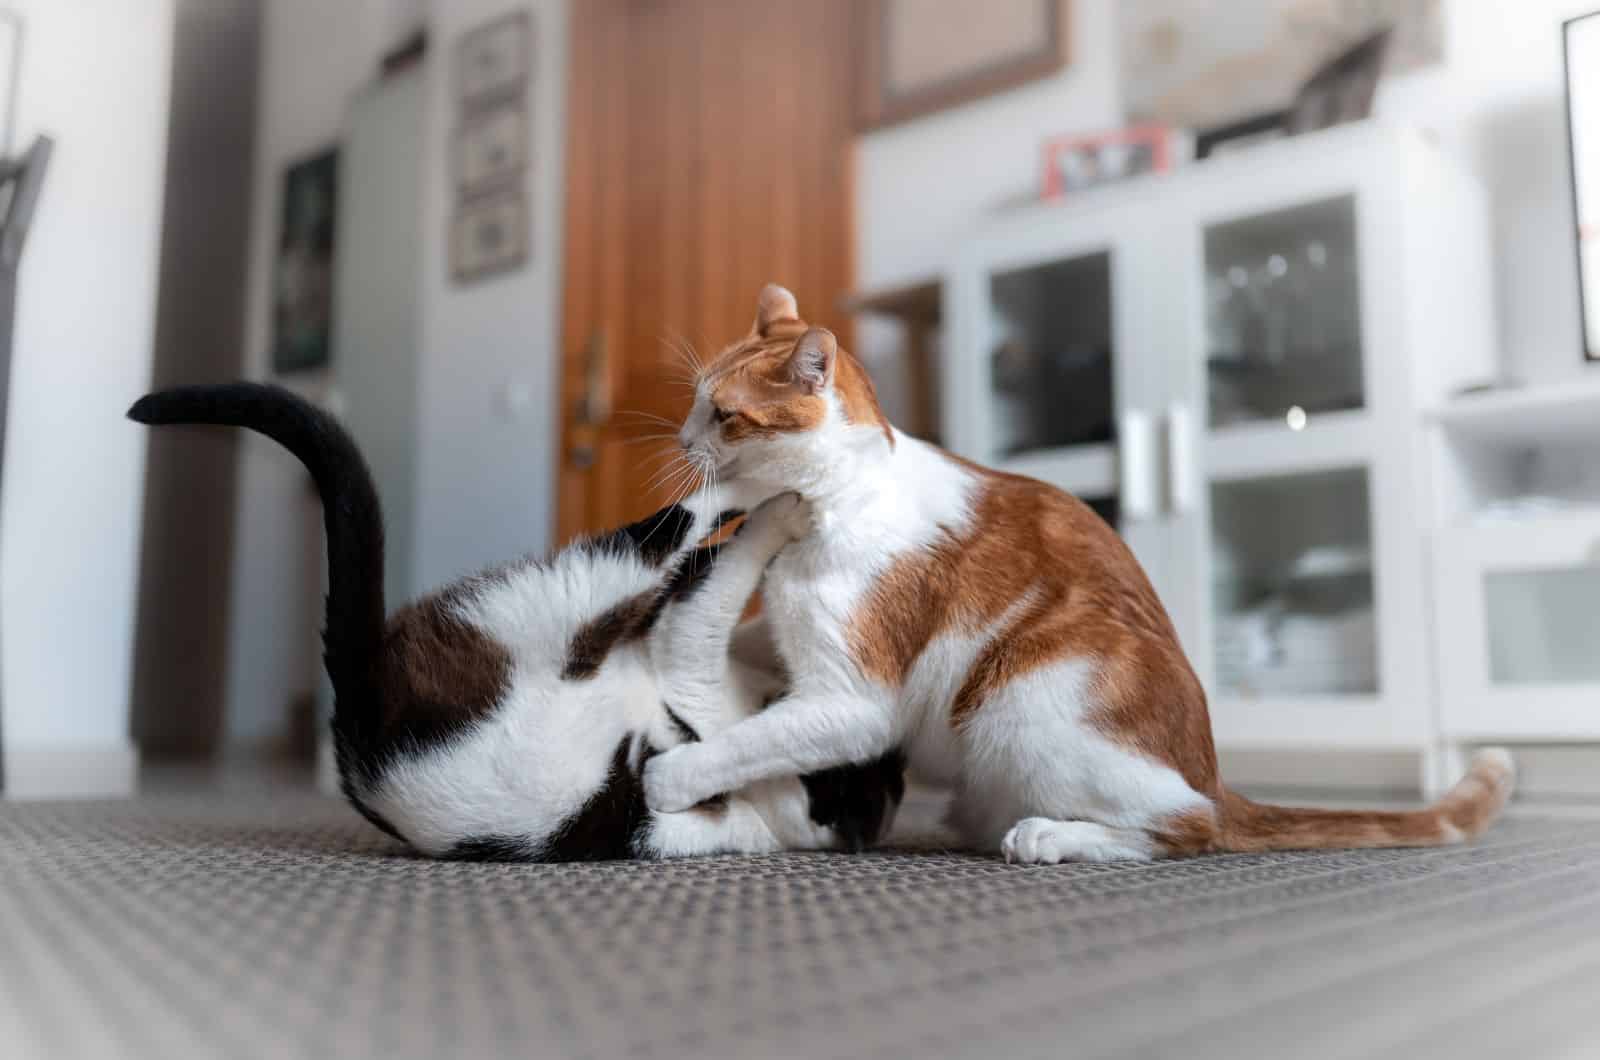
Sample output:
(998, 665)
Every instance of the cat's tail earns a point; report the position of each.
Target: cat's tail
(1464, 813)
(352, 637)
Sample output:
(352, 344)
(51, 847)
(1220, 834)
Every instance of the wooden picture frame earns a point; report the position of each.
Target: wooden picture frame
(491, 150)
(489, 236)
(950, 79)
(494, 61)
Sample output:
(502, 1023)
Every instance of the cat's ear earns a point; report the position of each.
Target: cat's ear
(775, 304)
(811, 365)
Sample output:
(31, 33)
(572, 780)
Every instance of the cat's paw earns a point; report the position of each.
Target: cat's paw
(789, 515)
(672, 781)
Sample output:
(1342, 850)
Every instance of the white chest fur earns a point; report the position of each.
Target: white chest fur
(886, 512)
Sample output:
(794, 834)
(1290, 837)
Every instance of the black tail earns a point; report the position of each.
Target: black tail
(352, 638)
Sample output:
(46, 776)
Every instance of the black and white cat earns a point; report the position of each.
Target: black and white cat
(510, 715)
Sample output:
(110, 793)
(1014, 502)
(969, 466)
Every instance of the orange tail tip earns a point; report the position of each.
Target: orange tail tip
(1464, 813)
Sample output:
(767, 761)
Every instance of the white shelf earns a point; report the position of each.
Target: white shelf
(1548, 414)
(1269, 448)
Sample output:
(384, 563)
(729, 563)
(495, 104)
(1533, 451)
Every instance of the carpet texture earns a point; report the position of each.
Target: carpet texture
(281, 925)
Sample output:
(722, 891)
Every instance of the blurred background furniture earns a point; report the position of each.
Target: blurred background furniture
(1516, 565)
(1230, 363)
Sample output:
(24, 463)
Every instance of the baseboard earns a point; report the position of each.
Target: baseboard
(1549, 772)
(71, 772)
(1386, 774)
(1569, 772)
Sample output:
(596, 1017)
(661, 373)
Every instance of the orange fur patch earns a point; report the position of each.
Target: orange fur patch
(751, 381)
(1086, 598)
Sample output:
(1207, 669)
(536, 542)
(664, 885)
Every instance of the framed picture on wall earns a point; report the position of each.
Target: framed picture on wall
(490, 235)
(1583, 126)
(491, 150)
(921, 56)
(492, 61)
(302, 275)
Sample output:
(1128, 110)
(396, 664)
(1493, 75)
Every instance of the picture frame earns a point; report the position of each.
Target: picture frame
(493, 61)
(1074, 164)
(1580, 49)
(491, 150)
(913, 61)
(1342, 89)
(303, 270)
(489, 236)
(1238, 135)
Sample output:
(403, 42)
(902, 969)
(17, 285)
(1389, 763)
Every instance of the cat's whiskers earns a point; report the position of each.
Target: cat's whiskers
(669, 475)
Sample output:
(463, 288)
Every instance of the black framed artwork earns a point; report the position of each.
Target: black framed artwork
(302, 280)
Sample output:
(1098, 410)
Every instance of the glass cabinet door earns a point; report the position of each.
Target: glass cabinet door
(1523, 594)
(1283, 514)
(1540, 625)
(1047, 384)
(1050, 363)
(1283, 315)
(1292, 586)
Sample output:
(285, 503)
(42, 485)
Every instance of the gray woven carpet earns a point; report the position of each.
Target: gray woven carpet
(280, 925)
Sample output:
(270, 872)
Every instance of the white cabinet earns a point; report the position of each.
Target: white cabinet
(1516, 564)
(1229, 363)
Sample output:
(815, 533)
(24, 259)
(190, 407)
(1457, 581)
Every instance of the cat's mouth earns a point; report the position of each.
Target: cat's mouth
(729, 468)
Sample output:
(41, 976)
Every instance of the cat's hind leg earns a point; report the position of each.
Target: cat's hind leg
(1042, 841)
(1044, 783)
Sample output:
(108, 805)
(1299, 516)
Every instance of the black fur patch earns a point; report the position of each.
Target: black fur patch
(629, 620)
(855, 801)
(688, 734)
(654, 537)
(491, 848)
(612, 822)
(635, 617)
(608, 828)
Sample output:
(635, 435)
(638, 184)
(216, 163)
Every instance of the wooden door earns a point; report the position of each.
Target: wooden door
(709, 152)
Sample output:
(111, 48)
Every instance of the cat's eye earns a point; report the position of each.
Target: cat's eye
(720, 415)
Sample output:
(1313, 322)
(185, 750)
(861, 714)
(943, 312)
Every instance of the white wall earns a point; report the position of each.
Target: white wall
(1497, 100)
(315, 55)
(486, 485)
(484, 489)
(95, 77)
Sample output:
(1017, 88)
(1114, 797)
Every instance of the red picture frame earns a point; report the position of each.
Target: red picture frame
(1106, 158)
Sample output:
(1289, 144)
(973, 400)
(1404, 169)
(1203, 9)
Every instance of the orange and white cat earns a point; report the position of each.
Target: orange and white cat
(990, 625)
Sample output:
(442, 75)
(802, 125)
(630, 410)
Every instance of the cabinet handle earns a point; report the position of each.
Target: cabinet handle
(1183, 489)
(1136, 450)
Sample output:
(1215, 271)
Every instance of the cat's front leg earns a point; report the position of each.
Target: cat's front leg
(691, 641)
(801, 733)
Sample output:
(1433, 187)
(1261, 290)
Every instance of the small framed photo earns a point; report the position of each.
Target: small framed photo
(1238, 135)
(491, 150)
(1076, 163)
(489, 235)
(492, 61)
